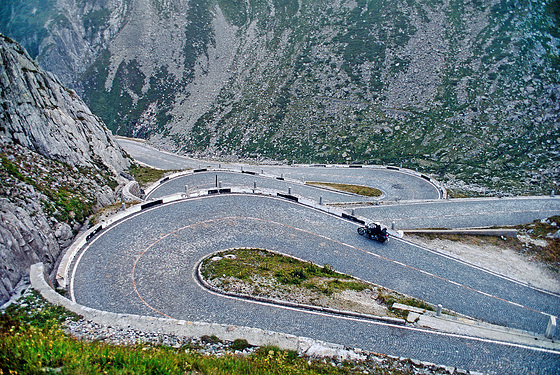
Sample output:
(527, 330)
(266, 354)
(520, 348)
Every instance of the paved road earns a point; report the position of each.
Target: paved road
(463, 213)
(144, 265)
(395, 184)
(212, 179)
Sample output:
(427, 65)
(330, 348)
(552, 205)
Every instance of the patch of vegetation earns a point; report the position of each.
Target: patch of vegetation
(33, 311)
(11, 169)
(456, 193)
(356, 189)
(239, 344)
(252, 266)
(145, 175)
(95, 21)
(235, 11)
(544, 230)
(67, 199)
(32, 341)
(244, 263)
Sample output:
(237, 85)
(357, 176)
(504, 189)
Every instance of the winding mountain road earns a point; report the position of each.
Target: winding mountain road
(145, 264)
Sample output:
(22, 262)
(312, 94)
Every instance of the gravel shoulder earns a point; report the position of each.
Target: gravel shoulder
(502, 258)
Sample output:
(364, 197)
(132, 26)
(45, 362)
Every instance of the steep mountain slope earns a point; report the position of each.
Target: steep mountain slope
(466, 90)
(59, 164)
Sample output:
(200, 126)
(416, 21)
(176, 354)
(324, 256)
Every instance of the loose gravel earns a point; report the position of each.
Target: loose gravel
(369, 363)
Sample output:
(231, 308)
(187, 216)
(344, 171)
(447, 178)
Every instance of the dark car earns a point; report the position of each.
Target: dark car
(375, 232)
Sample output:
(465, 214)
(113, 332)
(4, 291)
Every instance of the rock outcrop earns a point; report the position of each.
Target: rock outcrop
(42, 115)
(58, 165)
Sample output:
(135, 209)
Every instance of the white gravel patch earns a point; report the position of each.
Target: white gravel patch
(504, 261)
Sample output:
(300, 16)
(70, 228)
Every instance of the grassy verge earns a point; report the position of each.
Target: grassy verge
(146, 175)
(543, 230)
(356, 189)
(32, 341)
(267, 273)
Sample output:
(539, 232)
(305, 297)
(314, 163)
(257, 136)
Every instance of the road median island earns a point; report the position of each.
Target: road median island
(366, 191)
(275, 278)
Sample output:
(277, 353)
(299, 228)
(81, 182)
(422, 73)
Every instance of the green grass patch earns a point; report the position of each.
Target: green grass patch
(243, 264)
(145, 175)
(251, 266)
(30, 350)
(356, 189)
(32, 341)
(463, 194)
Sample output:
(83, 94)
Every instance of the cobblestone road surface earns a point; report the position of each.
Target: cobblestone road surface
(145, 264)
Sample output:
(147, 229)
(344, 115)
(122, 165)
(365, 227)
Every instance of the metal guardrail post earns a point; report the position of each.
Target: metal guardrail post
(551, 327)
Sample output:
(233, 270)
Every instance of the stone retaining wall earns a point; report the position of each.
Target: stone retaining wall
(254, 336)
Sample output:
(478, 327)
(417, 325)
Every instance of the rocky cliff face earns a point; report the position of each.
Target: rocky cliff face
(59, 164)
(40, 114)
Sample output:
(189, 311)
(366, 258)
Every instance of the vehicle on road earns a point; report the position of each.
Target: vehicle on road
(375, 232)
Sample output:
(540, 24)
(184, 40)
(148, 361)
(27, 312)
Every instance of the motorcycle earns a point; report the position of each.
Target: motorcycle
(375, 232)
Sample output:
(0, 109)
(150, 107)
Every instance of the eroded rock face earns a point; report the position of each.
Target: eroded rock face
(44, 116)
(58, 165)
(24, 240)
